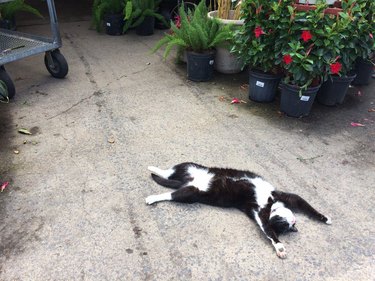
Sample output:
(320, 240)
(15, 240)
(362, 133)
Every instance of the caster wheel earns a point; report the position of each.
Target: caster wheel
(8, 82)
(56, 64)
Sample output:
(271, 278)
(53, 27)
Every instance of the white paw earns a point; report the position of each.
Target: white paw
(280, 250)
(151, 168)
(151, 199)
(329, 221)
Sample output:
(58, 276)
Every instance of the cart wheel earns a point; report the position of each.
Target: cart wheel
(56, 64)
(8, 82)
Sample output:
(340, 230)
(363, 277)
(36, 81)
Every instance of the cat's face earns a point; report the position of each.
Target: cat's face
(282, 219)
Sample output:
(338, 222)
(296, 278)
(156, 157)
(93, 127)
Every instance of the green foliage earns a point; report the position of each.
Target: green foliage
(338, 38)
(347, 36)
(308, 56)
(102, 7)
(135, 12)
(257, 50)
(9, 9)
(196, 32)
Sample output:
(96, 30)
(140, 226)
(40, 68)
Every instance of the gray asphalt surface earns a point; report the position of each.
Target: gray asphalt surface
(75, 207)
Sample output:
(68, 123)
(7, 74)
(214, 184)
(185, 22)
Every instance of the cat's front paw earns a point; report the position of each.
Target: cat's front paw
(151, 199)
(280, 250)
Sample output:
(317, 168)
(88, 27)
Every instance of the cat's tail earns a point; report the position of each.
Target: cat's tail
(166, 182)
(161, 177)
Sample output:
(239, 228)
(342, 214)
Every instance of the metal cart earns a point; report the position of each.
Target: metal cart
(15, 45)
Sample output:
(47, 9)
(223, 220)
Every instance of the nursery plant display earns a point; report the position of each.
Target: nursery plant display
(307, 44)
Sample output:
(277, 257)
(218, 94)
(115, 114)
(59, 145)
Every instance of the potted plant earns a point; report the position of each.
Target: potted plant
(227, 12)
(198, 35)
(365, 45)
(300, 54)
(109, 13)
(8, 11)
(141, 14)
(255, 44)
(340, 44)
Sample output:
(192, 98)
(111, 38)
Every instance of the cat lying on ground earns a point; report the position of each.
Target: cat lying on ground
(244, 190)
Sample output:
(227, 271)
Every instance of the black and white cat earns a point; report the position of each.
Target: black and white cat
(244, 190)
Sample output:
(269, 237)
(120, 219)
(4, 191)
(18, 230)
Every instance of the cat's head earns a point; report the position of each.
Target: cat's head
(282, 219)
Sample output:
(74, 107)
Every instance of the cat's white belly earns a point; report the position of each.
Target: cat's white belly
(201, 178)
(263, 191)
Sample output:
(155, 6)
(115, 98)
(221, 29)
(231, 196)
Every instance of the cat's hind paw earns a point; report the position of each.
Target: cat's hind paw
(328, 221)
(280, 250)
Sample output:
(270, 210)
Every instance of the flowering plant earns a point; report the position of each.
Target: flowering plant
(346, 36)
(254, 41)
(364, 24)
(298, 50)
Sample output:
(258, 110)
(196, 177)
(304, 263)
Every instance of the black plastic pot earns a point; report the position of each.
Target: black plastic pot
(200, 66)
(297, 103)
(9, 24)
(263, 86)
(114, 24)
(147, 27)
(363, 69)
(334, 90)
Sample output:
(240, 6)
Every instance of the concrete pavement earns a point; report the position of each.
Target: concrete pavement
(75, 209)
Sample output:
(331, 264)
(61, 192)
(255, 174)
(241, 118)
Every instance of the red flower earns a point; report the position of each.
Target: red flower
(258, 31)
(287, 59)
(306, 35)
(371, 36)
(335, 67)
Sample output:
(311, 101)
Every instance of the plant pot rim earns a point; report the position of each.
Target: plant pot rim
(205, 52)
(213, 14)
(296, 87)
(269, 73)
(349, 75)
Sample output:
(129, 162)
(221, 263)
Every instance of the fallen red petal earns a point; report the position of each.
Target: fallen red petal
(3, 186)
(235, 100)
(354, 124)
(371, 110)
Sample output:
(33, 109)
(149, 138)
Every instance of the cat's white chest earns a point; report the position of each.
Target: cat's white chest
(263, 191)
(201, 178)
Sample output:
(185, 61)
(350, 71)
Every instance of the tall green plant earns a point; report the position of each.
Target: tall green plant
(102, 7)
(9, 9)
(135, 12)
(196, 32)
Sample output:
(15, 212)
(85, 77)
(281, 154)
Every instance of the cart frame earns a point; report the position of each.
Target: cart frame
(16, 45)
